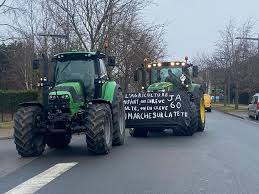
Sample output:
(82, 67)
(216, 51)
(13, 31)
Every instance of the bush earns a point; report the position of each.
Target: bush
(10, 99)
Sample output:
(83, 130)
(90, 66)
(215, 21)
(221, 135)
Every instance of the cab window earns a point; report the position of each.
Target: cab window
(103, 71)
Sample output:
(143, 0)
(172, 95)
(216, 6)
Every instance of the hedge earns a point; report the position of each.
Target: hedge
(10, 99)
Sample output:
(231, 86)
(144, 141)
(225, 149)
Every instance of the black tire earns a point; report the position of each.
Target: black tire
(189, 131)
(99, 128)
(192, 128)
(138, 132)
(58, 140)
(27, 137)
(209, 109)
(118, 112)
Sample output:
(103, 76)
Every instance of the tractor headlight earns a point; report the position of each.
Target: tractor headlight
(52, 97)
(65, 97)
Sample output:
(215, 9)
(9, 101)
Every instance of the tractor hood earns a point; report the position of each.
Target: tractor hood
(73, 89)
(160, 87)
(70, 91)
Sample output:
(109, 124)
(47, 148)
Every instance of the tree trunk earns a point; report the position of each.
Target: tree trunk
(225, 94)
(236, 95)
(228, 91)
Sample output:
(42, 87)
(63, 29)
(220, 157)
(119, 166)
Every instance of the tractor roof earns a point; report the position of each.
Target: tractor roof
(74, 52)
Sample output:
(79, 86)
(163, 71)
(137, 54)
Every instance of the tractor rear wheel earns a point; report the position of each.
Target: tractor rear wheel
(99, 128)
(192, 128)
(118, 112)
(58, 140)
(194, 122)
(138, 132)
(27, 137)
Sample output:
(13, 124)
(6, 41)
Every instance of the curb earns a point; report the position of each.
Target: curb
(231, 114)
(7, 137)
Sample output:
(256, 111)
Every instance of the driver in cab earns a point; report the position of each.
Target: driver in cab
(171, 77)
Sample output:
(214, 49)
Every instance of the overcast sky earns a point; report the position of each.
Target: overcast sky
(194, 25)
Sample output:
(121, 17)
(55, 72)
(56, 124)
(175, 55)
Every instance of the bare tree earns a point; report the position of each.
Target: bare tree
(231, 55)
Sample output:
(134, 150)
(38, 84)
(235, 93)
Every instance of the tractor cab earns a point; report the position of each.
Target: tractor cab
(76, 71)
(166, 76)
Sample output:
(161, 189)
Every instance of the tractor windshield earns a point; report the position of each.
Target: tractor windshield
(69, 70)
(165, 74)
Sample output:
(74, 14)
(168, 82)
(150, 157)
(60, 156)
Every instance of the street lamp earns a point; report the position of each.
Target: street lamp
(254, 39)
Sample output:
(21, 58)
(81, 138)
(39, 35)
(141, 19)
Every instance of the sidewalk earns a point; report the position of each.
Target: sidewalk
(230, 110)
(6, 130)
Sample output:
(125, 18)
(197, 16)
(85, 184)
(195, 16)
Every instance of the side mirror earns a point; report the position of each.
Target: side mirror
(111, 61)
(136, 76)
(195, 71)
(35, 64)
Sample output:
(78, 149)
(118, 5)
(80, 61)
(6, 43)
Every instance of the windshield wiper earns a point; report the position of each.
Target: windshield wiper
(57, 72)
(66, 66)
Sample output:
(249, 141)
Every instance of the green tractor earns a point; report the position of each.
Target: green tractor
(169, 100)
(80, 98)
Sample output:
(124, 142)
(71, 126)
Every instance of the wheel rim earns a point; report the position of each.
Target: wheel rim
(202, 111)
(121, 118)
(107, 129)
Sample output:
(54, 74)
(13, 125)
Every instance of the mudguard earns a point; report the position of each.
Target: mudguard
(163, 110)
(33, 103)
(109, 91)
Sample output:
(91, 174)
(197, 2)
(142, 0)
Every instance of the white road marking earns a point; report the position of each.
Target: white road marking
(35, 183)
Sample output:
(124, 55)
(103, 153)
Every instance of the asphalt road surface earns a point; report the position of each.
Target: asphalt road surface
(223, 159)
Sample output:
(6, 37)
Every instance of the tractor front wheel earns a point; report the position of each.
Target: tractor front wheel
(27, 137)
(99, 128)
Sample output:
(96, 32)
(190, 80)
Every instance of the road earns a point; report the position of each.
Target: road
(223, 159)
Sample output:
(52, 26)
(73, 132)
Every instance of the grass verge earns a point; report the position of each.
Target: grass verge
(6, 125)
(229, 108)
